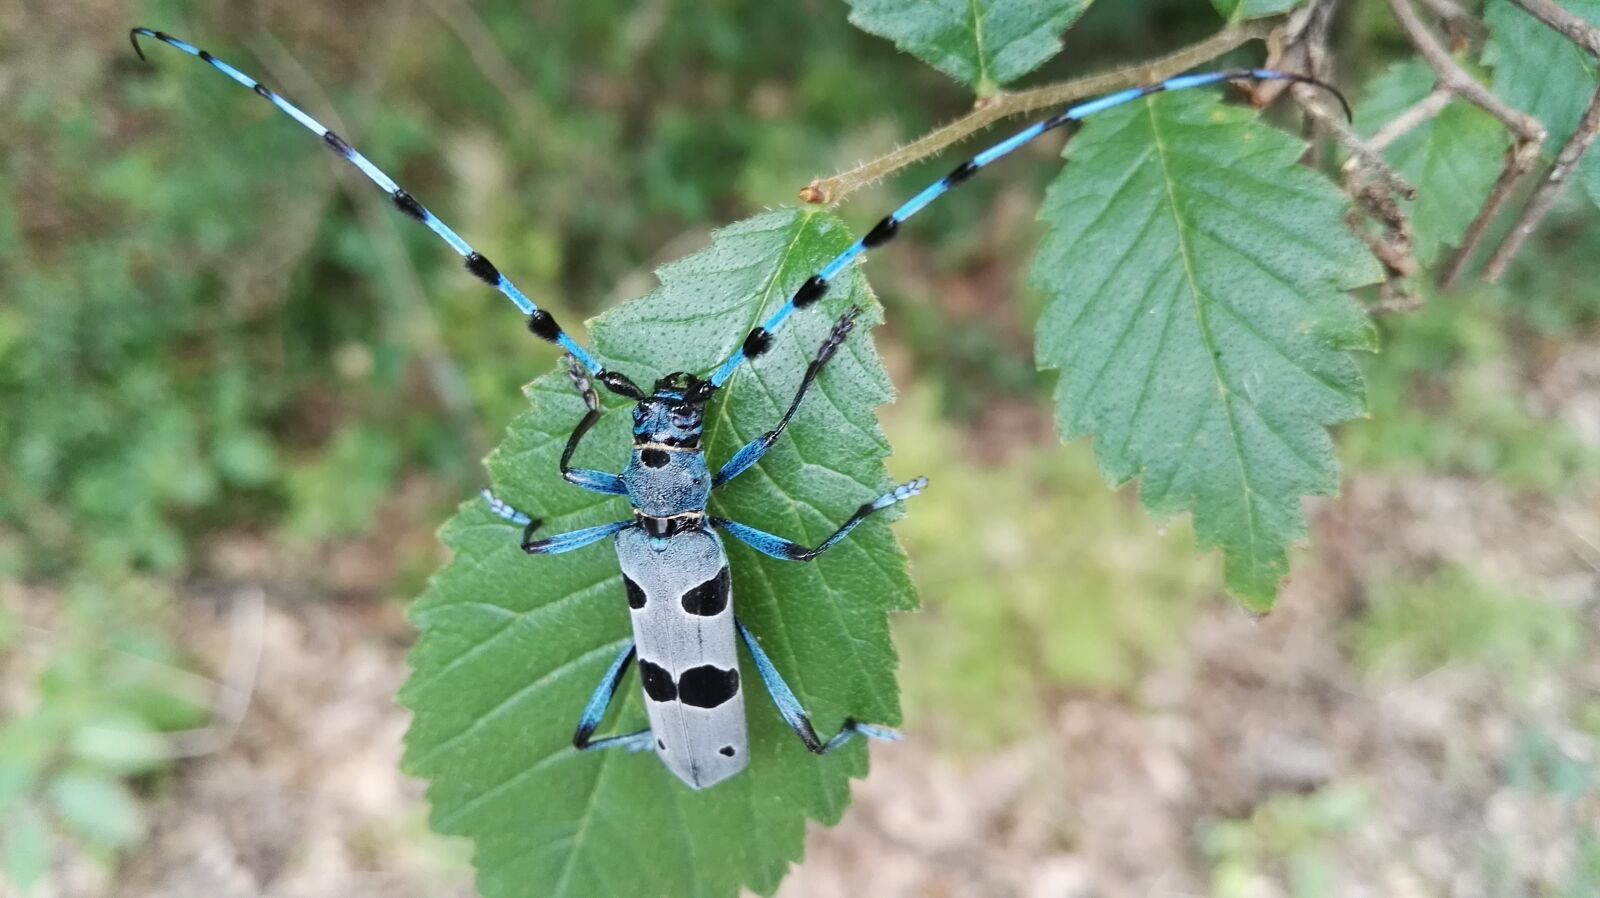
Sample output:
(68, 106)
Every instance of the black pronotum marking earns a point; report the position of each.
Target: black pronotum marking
(657, 681)
(635, 594)
(337, 144)
(707, 686)
(710, 597)
(541, 324)
(484, 270)
(881, 233)
(758, 342)
(810, 292)
(408, 204)
(726, 751)
(962, 172)
(654, 458)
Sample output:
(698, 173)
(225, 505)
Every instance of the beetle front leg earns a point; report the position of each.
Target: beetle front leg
(752, 451)
(594, 481)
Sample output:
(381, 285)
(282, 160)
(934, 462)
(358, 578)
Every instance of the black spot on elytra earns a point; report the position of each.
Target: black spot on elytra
(262, 90)
(710, 597)
(707, 687)
(726, 751)
(661, 745)
(657, 682)
(635, 594)
(483, 269)
(653, 458)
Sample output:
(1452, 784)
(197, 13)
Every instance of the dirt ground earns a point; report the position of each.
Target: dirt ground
(1109, 799)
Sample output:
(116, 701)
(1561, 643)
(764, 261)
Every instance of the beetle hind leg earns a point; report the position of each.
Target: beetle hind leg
(795, 715)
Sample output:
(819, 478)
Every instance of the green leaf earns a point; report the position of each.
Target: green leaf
(981, 43)
(120, 743)
(1453, 161)
(97, 807)
(1234, 10)
(1539, 71)
(1196, 275)
(512, 646)
(1544, 74)
(27, 847)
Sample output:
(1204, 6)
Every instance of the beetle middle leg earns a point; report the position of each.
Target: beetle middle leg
(787, 550)
(595, 711)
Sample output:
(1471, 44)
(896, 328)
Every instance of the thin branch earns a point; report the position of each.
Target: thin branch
(827, 191)
(1422, 112)
(1527, 131)
(1544, 199)
(423, 335)
(1456, 79)
(1362, 155)
(1520, 160)
(1456, 20)
(1571, 26)
(470, 29)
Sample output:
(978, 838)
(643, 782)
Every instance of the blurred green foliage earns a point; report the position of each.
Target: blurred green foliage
(105, 692)
(1413, 626)
(1289, 838)
(1451, 395)
(1035, 579)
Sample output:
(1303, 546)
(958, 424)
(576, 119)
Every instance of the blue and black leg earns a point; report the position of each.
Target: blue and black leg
(752, 451)
(595, 711)
(795, 715)
(551, 545)
(785, 550)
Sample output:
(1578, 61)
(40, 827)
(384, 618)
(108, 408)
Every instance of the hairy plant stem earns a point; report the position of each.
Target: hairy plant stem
(828, 191)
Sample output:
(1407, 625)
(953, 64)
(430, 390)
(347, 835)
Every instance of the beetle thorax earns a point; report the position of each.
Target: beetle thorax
(667, 477)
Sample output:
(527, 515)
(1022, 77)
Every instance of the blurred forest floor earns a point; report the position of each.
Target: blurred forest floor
(1366, 739)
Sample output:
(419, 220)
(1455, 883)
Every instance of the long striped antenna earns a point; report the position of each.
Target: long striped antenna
(540, 322)
(760, 339)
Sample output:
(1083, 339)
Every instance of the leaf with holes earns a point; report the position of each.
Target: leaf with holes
(1196, 275)
(512, 645)
(981, 43)
(1453, 161)
(1544, 74)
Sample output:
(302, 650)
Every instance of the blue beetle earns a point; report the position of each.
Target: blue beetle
(674, 567)
(675, 573)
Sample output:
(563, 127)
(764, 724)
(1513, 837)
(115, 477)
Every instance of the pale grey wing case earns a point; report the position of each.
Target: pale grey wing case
(682, 609)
